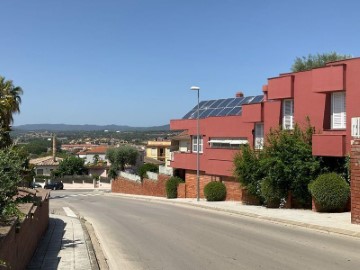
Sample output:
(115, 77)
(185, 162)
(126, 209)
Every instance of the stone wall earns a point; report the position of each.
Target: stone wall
(18, 241)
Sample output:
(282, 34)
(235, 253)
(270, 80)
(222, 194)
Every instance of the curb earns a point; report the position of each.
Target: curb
(250, 215)
(97, 257)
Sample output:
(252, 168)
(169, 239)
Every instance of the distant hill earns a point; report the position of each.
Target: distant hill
(64, 127)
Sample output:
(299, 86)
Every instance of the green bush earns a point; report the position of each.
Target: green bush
(248, 170)
(215, 191)
(147, 167)
(171, 187)
(330, 191)
(270, 193)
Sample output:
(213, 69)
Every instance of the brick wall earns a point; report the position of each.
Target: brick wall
(18, 246)
(147, 187)
(233, 190)
(355, 182)
(181, 190)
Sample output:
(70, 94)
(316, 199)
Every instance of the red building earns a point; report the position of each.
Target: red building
(328, 96)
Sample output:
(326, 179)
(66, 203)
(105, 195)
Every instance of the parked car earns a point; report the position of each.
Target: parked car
(36, 185)
(54, 185)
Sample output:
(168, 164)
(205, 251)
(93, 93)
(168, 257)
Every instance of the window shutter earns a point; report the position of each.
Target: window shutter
(288, 114)
(338, 119)
(259, 136)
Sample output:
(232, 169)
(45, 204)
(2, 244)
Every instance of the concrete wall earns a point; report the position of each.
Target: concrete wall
(18, 245)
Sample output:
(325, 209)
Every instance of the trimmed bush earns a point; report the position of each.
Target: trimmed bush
(171, 187)
(215, 191)
(330, 192)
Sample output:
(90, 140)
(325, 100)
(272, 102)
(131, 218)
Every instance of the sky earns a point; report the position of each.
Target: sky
(132, 62)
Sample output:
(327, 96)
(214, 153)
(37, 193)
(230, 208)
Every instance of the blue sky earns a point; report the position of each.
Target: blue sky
(132, 62)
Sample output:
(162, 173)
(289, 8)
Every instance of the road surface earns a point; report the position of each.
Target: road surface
(138, 234)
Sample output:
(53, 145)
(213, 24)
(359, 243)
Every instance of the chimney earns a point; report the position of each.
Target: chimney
(239, 94)
(54, 147)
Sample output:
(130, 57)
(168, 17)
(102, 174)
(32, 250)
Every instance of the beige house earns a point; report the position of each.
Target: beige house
(45, 165)
(159, 150)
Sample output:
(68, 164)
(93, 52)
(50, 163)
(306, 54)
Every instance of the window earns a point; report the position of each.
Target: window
(153, 152)
(288, 114)
(338, 110)
(39, 171)
(194, 144)
(259, 136)
(227, 143)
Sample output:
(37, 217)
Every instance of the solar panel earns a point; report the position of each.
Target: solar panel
(222, 107)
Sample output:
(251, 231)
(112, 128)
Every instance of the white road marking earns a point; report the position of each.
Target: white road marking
(69, 212)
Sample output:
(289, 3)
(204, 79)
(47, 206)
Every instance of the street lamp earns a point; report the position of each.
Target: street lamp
(195, 88)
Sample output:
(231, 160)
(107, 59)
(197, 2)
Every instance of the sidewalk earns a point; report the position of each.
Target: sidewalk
(63, 246)
(339, 223)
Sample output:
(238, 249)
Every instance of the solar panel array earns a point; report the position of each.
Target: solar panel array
(222, 107)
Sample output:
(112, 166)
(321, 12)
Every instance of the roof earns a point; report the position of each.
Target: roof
(95, 150)
(182, 136)
(222, 107)
(153, 161)
(46, 161)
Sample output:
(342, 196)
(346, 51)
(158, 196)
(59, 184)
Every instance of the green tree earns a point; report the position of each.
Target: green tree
(121, 156)
(248, 170)
(96, 159)
(10, 101)
(289, 164)
(10, 175)
(148, 167)
(71, 166)
(315, 61)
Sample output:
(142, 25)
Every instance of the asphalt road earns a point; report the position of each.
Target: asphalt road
(138, 234)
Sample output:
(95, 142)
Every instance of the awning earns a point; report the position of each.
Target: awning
(231, 142)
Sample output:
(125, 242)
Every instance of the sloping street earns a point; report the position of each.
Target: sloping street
(138, 234)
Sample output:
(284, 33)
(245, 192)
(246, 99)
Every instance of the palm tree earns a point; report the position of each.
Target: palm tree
(10, 101)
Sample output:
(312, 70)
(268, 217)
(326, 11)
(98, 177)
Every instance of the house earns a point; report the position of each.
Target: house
(45, 165)
(328, 96)
(159, 150)
(95, 153)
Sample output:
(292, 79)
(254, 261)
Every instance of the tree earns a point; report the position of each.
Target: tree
(248, 170)
(71, 166)
(121, 156)
(96, 159)
(10, 175)
(315, 61)
(10, 101)
(288, 163)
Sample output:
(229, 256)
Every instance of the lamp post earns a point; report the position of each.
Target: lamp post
(195, 88)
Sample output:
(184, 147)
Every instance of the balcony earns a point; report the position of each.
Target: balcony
(281, 87)
(252, 113)
(328, 79)
(184, 160)
(329, 143)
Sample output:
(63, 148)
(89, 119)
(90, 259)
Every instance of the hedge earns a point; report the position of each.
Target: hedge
(215, 191)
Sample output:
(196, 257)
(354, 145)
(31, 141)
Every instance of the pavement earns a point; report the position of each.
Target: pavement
(67, 243)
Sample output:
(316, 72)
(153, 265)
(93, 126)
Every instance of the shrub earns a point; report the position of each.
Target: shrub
(330, 191)
(270, 193)
(248, 170)
(171, 187)
(148, 167)
(215, 191)
(289, 163)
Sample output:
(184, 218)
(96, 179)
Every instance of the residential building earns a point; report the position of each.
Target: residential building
(95, 153)
(327, 96)
(45, 165)
(159, 150)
